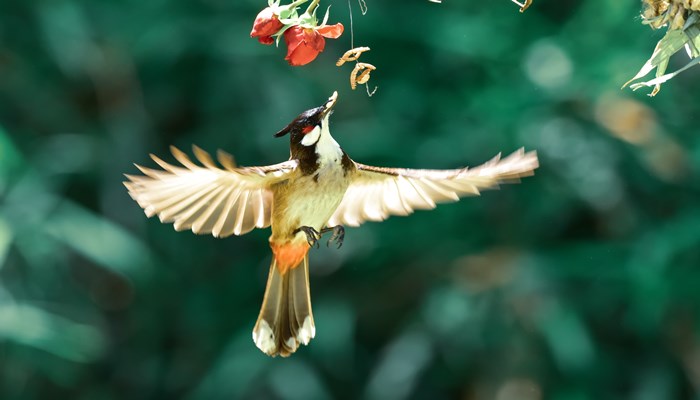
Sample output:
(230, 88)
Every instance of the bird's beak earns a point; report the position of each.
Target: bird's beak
(323, 110)
(329, 104)
(284, 130)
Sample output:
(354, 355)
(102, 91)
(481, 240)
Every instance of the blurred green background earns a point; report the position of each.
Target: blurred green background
(582, 282)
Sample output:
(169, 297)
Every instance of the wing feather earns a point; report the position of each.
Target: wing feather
(188, 216)
(427, 202)
(436, 191)
(170, 199)
(372, 210)
(262, 212)
(204, 158)
(172, 208)
(208, 218)
(224, 225)
(243, 212)
(376, 193)
(207, 198)
(226, 160)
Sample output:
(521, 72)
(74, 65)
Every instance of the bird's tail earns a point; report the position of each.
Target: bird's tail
(285, 318)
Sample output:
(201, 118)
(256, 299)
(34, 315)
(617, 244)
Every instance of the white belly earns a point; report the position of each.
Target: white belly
(314, 204)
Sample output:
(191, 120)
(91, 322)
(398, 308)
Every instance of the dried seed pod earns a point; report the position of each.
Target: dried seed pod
(364, 76)
(351, 55)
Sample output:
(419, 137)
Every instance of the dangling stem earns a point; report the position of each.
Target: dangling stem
(312, 7)
(524, 5)
(297, 3)
(352, 31)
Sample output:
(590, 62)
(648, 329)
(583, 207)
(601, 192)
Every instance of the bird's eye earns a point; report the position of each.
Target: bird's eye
(307, 129)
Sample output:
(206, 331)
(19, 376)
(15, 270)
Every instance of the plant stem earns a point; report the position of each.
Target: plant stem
(297, 3)
(312, 7)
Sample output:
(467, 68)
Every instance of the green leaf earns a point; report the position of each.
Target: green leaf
(670, 44)
(665, 48)
(99, 240)
(664, 78)
(5, 240)
(32, 326)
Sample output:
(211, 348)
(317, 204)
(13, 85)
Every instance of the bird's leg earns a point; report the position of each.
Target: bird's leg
(338, 234)
(312, 235)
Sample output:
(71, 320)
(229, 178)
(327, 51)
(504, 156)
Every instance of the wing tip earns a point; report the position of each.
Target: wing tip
(226, 160)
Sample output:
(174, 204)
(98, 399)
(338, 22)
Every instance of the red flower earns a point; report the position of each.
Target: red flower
(266, 24)
(304, 44)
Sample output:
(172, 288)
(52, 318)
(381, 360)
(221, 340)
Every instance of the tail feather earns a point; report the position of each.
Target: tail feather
(285, 318)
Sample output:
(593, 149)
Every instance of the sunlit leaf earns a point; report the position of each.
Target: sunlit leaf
(673, 41)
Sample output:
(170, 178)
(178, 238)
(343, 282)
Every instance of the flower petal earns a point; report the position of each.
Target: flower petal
(266, 40)
(303, 45)
(331, 31)
(265, 24)
(302, 55)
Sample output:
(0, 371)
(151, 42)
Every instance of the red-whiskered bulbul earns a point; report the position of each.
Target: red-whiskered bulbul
(318, 190)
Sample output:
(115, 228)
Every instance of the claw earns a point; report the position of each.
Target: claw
(337, 236)
(312, 235)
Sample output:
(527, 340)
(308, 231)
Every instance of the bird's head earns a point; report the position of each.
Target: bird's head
(306, 129)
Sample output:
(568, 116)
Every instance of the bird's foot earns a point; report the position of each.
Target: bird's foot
(337, 236)
(312, 235)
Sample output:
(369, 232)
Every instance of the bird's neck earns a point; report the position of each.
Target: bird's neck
(327, 149)
(326, 152)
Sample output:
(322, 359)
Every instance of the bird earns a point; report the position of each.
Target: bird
(320, 189)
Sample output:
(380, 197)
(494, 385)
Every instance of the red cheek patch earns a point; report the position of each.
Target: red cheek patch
(307, 129)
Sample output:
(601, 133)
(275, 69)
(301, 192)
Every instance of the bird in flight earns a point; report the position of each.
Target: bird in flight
(318, 190)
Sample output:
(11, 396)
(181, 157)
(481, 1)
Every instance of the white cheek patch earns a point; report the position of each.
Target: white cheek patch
(311, 137)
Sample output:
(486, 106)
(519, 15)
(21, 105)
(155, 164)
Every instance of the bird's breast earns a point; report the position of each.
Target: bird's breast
(308, 200)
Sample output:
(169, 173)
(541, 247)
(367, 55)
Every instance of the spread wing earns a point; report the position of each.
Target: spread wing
(207, 198)
(376, 193)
